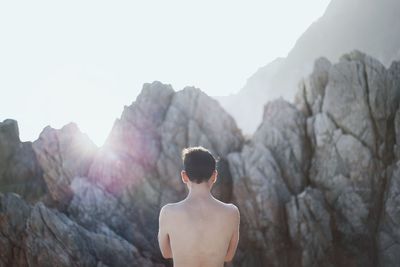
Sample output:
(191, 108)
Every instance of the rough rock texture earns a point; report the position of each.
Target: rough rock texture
(63, 154)
(318, 183)
(283, 131)
(19, 168)
(38, 236)
(310, 228)
(271, 167)
(341, 28)
(353, 138)
(139, 166)
(389, 228)
(312, 180)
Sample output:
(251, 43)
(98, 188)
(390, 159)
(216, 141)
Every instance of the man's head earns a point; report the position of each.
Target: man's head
(199, 165)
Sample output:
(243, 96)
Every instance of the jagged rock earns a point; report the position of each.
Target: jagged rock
(19, 169)
(38, 236)
(309, 225)
(360, 100)
(260, 193)
(346, 122)
(340, 29)
(283, 131)
(63, 154)
(394, 82)
(91, 201)
(138, 169)
(317, 184)
(389, 228)
(396, 147)
(194, 118)
(312, 89)
(271, 166)
(347, 172)
(352, 139)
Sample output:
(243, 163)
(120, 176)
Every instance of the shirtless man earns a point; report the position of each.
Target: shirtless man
(199, 231)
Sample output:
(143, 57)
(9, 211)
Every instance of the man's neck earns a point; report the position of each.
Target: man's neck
(199, 191)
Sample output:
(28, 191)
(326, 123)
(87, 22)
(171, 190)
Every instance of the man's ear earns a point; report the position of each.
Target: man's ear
(214, 176)
(185, 178)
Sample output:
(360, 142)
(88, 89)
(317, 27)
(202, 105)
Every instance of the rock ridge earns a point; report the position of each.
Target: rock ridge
(317, 184)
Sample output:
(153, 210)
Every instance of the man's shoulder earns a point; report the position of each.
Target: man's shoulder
(228, 206)
(170, 207)
(177, 206)
(233, 208)
(165, 212)
(230, 210)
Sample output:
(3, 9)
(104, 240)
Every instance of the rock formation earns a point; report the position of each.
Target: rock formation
(19, 168)
(123, 185)
(353, 140)
(38, 236)
(271, 167)
(317, 184)
(63, 154)
(343, 26)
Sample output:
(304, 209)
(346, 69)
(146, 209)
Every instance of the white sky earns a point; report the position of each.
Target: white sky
(82, 61)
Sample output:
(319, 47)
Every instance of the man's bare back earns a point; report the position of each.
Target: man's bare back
(200, 231)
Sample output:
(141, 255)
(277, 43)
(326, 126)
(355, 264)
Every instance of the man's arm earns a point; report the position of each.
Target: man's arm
(235, 236)
(163, 236)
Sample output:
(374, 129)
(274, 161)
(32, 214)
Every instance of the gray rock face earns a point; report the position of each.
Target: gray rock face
(38, 236)
(353, 138)
(122, 186)
(309, 224)
(283, 131)
(312, 88)
(369, 101)
(316, 185)
(62, 155)
(369, 30)
(351, 179)
(138, 169)
(260, 192)
(93, 207)
(340, 140)
(19, 168)
(271, 167)
(389, 228)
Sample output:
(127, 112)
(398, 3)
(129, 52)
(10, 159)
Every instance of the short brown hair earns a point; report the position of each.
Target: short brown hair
(198, 163)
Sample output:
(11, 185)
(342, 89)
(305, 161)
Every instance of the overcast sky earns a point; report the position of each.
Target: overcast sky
(82, 61)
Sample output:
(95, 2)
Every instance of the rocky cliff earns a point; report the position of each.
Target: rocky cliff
(317, 184)
(345, 25)
(19, 169)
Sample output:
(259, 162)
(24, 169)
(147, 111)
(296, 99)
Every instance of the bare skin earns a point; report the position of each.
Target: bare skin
(199, 231)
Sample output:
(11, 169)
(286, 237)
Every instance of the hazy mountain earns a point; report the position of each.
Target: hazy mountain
(370, 26)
